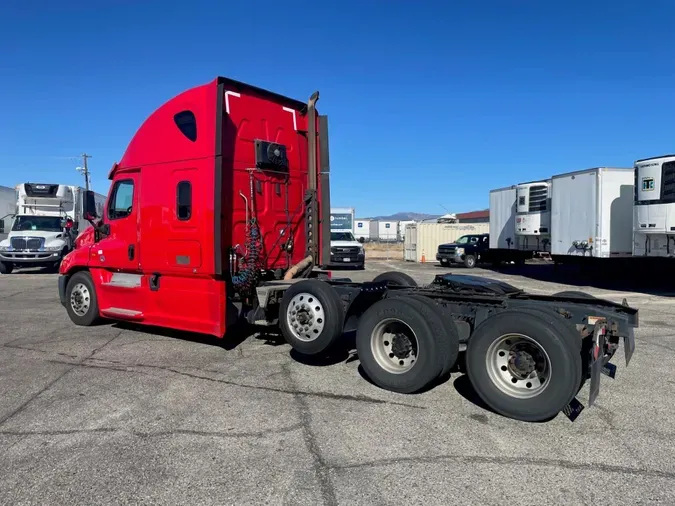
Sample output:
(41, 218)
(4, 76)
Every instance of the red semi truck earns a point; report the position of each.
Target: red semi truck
(219, 212)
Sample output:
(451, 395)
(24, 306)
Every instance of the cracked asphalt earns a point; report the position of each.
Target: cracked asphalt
(118, 414)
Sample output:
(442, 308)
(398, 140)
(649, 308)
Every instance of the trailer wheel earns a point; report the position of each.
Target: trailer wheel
(469, 261)
(6, 268)
(395, 278)
(82, 303)
(448, 342)
(311, 316)
(523, 367)
(397, 344)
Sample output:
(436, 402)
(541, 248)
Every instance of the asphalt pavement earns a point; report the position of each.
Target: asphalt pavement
(117, 414)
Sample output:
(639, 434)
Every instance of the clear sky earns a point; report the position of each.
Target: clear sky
(430, 103)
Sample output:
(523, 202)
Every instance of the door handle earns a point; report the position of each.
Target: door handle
(130, 252)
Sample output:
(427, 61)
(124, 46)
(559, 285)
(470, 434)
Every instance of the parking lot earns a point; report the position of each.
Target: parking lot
(116, 414)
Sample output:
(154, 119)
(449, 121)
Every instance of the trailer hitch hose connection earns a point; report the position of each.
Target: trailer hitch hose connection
(247, 278)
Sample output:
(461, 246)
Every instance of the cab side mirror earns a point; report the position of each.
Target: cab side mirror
(89, 206)
(362, 240)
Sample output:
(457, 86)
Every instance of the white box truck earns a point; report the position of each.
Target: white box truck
(7, 210)
(592, 214)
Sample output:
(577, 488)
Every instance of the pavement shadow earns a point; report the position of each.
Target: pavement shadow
(344, 351)
(234, 337)
(617, 276)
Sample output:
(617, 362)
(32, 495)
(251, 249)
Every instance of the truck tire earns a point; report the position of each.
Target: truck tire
(448, 344)
(395, 278)
(469, 261)
(6, 268)
(81, 300)
(445, 263)
(397, 344)
(504, 384)
(574, 293)
(311, 316)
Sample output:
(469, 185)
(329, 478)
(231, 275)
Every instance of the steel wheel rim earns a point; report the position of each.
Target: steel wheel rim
(305, 317)
(80, 299)
(508, 360)
(394, 346)
(470, 261)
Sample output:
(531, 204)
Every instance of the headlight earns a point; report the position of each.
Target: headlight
(460, 251)
(53, 248)
(4, 248)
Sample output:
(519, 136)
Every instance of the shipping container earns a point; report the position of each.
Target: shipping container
(422, 239)
(592, 213)
(7, 209)
(503, 218)
(387, 230)
(362, 230)
(341, 219)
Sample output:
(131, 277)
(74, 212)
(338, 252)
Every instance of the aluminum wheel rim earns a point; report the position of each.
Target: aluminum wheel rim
(394, 346)
(305, 317)
(518, 366)
(80, 299)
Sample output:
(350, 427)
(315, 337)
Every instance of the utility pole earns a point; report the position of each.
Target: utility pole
(85, 170)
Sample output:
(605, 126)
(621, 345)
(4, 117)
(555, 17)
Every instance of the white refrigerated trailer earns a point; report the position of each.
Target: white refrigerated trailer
(591, 213)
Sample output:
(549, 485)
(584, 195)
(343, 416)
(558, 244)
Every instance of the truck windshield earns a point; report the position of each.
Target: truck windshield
(342, 236)
(43, 223)
(466, 239)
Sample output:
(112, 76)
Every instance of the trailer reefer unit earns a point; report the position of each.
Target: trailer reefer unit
(219, 171)
(591, 213)
(533, 216)
(7, 210)
(362, 230)
(342, 219)
(654, 207)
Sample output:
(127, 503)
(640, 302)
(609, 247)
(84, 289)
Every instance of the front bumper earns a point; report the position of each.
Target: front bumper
(27, 258)
(450, 257)
(346, 259)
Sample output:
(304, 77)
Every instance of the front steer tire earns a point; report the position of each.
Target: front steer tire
(491, 382)
(80, 293)
(6, 268)
(317, 310)
(388, 363)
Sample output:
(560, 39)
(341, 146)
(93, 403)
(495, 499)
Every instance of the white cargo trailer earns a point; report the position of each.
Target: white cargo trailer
(387, 230)
(503, 241)
(341, 219)
(592, 214)
(503, 218)
(362, 230)
(7, 209)
(402, 225)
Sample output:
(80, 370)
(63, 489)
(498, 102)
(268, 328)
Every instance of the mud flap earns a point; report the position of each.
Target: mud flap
(629, 344)
(597, 354)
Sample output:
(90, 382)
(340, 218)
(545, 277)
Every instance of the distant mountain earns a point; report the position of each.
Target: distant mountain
(405, 216)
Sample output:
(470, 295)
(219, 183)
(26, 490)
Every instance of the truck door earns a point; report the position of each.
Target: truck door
(114, 260)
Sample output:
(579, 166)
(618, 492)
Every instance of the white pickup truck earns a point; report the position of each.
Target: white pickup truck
(346, 250)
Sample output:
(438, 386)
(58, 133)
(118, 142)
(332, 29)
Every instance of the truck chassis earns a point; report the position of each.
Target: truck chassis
(527, 356)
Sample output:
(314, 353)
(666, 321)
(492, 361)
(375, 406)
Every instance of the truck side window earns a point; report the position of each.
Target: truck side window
(184, 200)
(121, 202)
(187, 124)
